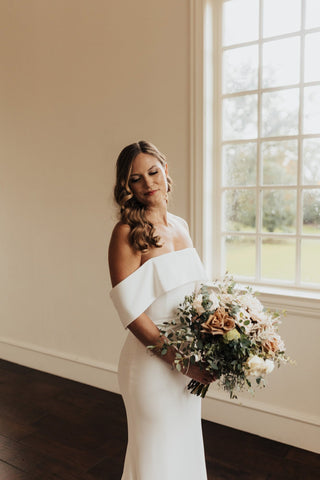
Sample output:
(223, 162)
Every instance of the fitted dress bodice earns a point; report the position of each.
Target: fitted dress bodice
(156, 286)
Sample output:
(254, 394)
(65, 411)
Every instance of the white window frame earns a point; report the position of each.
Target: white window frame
(205, 134)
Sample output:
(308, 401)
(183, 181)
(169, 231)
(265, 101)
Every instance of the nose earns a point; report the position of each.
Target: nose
(147, 182)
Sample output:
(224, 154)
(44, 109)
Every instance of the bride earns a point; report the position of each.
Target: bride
(153, 265)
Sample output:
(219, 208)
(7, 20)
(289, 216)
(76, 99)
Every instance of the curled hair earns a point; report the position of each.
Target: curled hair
(132, 212)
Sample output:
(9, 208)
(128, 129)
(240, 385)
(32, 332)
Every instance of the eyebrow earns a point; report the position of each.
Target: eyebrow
(136, 174)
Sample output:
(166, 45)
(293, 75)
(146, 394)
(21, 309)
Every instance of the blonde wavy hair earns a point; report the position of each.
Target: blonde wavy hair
(132, 212)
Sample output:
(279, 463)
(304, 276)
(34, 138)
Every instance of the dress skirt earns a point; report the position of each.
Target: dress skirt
(164, 419)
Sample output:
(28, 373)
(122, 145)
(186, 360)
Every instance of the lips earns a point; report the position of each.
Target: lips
(151, 192)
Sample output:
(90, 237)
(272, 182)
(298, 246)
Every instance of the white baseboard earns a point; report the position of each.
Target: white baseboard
(81, 369)
(264, 420)
(276, 423)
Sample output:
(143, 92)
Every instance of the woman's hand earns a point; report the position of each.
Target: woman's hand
(197, 372)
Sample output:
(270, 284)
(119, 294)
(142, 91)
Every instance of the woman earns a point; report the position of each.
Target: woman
(153, 265)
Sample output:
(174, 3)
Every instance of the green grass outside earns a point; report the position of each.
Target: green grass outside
(306, 229)
(277, 260)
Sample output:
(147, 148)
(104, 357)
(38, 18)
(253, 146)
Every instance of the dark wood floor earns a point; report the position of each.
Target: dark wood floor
(54, 428)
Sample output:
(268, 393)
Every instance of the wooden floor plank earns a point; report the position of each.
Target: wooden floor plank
(52, 428)
(15, 454)
(8, 472)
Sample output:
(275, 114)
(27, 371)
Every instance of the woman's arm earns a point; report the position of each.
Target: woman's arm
(148, 334)
(123, 261)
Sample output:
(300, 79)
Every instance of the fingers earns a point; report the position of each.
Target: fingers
(209, 380)
(203, 378)
(200, 375)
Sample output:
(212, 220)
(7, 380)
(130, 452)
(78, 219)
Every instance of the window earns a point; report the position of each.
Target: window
(262, 167)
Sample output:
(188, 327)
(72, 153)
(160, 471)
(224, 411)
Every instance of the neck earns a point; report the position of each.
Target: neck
(158, 215)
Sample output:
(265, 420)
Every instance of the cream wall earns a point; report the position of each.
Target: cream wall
(79, 80)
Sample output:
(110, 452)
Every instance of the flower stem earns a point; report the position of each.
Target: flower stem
(197, 388)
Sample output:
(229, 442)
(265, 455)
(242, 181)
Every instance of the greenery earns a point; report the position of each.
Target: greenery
(279, 159)
(227, 332)
(278, 259)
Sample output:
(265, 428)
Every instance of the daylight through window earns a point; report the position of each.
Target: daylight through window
(269, 140)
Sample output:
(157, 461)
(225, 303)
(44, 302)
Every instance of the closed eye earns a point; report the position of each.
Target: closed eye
(136, 179)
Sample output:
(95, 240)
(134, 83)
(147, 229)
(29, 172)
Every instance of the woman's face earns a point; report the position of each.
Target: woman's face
(148, 179)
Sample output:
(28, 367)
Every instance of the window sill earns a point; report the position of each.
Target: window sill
(295, 302)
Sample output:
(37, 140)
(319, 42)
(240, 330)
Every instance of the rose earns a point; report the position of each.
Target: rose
(257, 366)
(251, 303)
(273, 345)
(218, 323)
(269, 366)
(214, 299)
(212, 288)
(197, 304)
(231, 335)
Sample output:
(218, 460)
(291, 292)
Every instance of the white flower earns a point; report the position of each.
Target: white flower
(241, 317)
(214, 299)
(226, 298)
(212, 286)
(269, 366)
(255, 364)
(197, 304)
(251, 303)
(258, 366)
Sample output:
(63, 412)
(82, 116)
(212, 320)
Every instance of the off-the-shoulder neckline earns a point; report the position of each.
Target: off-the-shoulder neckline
(153, 258)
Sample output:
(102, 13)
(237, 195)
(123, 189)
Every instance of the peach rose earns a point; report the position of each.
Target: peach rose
(273, 345)
(218, 323)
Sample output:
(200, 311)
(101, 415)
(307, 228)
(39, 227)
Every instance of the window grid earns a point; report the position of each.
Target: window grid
(260, 187)
(258, 242)
(300, 151)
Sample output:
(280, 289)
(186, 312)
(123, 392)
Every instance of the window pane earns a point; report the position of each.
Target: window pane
(312, 110)
(239, 210)
(278, 259)
(263, 125)
(240, 69)
(310, 250)
(311, 161)
(280, 113)
(279, 211)
(240, 255)
(280, 162)
(311, 212)
(281, 62)
(239, 164)
(312, 13)
(241, 21)
(312, 64)
(281, 16)
(240, 117)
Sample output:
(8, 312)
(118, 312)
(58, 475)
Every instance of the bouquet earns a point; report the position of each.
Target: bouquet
(228, 332)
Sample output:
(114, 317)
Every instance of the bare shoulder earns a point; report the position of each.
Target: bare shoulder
(179, 220)
(120, 232)
(123, 259)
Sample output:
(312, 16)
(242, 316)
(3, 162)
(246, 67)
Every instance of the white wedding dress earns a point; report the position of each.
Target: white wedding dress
(164, 419)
